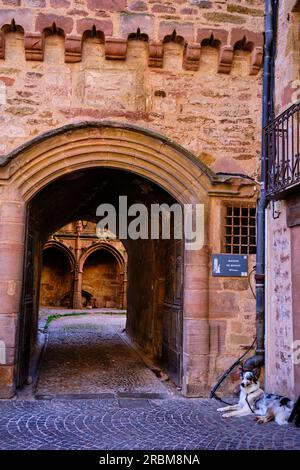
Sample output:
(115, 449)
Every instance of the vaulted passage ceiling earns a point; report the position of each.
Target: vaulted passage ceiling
(77, 196)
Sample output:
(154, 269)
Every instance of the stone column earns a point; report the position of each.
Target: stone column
(121, 286)
(123, 294)
(12, 234)
(77, 285)
(195, 324)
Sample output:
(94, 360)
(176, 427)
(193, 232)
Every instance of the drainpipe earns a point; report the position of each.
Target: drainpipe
(267, 107)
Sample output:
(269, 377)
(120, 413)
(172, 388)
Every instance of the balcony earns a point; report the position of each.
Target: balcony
(282, 147)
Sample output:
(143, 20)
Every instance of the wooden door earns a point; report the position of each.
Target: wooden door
(172, 312)
(27, 326)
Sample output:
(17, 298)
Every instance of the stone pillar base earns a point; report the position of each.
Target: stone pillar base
(195, 375)
(195, 390)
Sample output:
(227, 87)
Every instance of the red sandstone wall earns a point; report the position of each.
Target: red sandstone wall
(206, 98)
(56, 281)
(231, 306)
(101, 279)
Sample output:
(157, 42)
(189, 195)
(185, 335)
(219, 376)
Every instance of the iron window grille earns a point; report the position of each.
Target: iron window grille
(240, 230)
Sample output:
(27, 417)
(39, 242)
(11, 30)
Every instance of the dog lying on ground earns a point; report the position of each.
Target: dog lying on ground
(253, 400)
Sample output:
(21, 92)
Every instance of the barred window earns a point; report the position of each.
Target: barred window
(240, 230)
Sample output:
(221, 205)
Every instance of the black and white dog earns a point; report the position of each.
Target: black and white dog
(253, 400)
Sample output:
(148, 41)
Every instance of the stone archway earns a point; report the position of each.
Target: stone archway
(78, 147)
(121, 301)
(61, 247)
(56, 274)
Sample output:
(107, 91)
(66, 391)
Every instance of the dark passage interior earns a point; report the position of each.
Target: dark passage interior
(154, 296)
(56, 278)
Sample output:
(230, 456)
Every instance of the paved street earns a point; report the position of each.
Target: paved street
(134, 424)
(100, 395)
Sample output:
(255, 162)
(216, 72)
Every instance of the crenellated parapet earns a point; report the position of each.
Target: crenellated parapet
(227, 42)
(187, 68)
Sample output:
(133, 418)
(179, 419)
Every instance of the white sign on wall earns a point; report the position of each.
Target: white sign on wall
(2, 93)
(2, 352)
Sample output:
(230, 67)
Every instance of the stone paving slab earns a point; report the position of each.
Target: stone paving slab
(144, 424)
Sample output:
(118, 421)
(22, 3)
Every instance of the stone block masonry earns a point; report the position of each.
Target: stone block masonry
(62, 61)
(188, 70)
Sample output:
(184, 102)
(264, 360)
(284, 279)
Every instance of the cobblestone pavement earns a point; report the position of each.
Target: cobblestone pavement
(134, 424)
(171, 422)
(86, 355)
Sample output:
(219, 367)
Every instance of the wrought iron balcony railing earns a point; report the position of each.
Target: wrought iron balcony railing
(282, 147)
